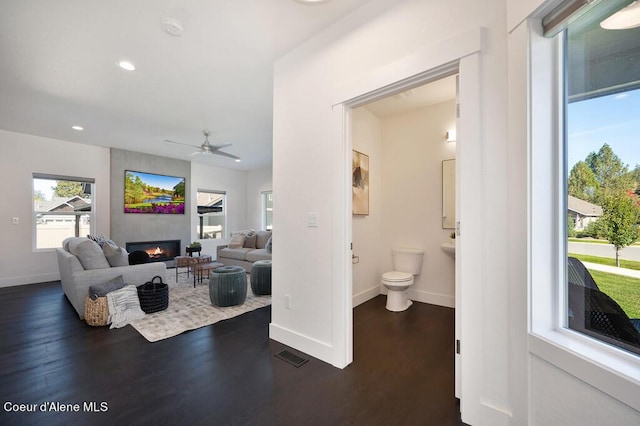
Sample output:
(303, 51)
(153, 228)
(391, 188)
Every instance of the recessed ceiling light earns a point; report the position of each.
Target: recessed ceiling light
(126, 65)
(238, 160)
(172, 26)
(78, 128)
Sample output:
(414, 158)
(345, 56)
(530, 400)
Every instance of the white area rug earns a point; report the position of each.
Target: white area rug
(190, 308)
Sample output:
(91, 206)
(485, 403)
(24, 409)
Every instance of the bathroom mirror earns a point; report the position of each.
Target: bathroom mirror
(448, 194)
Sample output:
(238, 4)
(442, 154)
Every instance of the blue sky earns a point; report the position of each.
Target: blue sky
(164, 182)
(613, 119)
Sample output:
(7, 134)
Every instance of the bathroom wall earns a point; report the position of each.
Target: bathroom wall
(367, 230)
(413, 147)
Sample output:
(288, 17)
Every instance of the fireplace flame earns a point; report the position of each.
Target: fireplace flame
(158, 251)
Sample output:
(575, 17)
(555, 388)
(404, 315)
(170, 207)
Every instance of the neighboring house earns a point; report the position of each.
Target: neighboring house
(582, 212)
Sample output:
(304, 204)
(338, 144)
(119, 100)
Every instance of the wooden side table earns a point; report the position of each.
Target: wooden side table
(199, 270)
(187, 261)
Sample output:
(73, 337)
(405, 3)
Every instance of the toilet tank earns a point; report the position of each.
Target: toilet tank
(407, 260)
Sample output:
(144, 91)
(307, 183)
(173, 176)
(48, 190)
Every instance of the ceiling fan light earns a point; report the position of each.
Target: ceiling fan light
(127, 66)
(624, 19)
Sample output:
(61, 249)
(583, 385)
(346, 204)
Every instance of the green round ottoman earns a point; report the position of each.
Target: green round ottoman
(261, 277)
(228, 286)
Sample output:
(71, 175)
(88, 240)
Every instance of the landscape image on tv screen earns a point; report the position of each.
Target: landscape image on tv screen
(151, 193)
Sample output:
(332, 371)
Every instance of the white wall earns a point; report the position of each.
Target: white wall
(367, 230)
(308, 146)
(413, 148)
(234, 182)
(258, 181)
(22, 155)
(405, 156)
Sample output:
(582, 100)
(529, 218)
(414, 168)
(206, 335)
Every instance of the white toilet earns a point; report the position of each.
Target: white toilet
(407, 262)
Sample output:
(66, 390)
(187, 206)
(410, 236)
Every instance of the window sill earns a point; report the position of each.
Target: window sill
(613, 371)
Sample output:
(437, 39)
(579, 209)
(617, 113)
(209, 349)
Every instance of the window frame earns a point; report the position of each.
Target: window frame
(265, 209)
(35, 214)
(609, 369)
(223, 213)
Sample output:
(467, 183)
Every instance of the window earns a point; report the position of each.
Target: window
(537, 58)
(602, 179)
(267, 210)
(212, 214)
(62, 208)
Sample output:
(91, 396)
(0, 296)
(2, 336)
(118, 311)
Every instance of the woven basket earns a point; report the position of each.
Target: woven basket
(96, 312)
(153, 295)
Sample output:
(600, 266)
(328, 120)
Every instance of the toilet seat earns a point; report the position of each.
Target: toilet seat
(397, 277)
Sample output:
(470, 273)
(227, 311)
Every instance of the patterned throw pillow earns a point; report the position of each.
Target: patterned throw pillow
(237, 241)
(267, 247)
(98, 238)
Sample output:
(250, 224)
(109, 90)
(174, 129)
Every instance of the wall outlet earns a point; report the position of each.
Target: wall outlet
(287, 301)
(15, 220)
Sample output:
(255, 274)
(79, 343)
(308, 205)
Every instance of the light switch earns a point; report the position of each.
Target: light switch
(313, 220)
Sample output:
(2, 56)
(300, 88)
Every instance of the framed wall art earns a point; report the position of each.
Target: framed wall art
(360, 183)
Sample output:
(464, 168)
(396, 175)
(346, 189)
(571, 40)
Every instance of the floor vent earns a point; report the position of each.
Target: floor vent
(291, 358)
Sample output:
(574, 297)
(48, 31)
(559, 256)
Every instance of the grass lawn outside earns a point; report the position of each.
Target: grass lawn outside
(628, 264)
(593, 241)
(624, 290)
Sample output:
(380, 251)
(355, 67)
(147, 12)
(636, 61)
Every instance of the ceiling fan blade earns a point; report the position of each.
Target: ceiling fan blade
(181, 143)
(225, 154)
(224, 145)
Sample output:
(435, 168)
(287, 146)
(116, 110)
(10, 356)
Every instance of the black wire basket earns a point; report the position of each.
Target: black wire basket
(153, 295)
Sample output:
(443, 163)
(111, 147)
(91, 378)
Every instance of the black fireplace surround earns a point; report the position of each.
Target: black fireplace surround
(158, 251)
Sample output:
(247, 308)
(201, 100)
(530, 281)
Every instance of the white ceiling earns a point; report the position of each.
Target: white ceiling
(420, 97)
(59, 70)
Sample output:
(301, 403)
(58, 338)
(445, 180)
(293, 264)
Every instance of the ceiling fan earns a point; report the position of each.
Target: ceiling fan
(207, 148)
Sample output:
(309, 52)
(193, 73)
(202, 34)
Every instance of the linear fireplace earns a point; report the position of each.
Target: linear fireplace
(158, 251)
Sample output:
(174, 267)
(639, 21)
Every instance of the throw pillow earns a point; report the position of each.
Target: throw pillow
(124, 306)
(100, 290)
(100, 239)
(88, 253)
(237, 241)
(263, 237)
(116, 256)
(267, 247)
(250, 240)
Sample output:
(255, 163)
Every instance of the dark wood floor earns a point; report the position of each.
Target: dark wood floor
(225, 374)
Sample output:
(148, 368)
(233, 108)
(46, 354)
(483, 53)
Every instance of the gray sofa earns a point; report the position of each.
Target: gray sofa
(254, 248)
(76, 279)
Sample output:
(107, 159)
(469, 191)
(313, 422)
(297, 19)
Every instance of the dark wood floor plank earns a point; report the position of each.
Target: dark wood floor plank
(226, 374)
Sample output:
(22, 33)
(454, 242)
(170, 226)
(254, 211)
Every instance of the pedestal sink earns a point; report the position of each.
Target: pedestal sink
(449, 248)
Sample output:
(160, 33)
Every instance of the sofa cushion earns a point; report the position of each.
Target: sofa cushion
(269, 246)
(258, 254)
(89, 253)
(235, 253)
(262, 238)
(116, 256)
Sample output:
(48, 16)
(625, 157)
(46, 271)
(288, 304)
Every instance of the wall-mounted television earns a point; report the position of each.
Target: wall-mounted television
(152, 193)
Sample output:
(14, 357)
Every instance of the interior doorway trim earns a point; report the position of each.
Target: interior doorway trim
(460, 54)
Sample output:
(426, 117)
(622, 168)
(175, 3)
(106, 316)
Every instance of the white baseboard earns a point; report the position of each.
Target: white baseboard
(495, 416)
(433, 298)
(29, 279)
(317, 349)
(363, 296)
